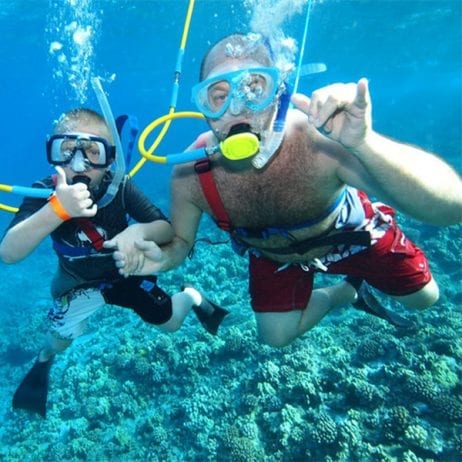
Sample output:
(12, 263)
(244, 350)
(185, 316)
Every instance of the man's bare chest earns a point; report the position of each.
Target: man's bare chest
(284, 196)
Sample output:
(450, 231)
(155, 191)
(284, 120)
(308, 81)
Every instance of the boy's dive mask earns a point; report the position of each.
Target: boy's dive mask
(254, 88)
(80, 151)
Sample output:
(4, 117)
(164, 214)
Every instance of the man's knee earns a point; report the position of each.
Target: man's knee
(423, 298)
(278, 329)
(275, 340)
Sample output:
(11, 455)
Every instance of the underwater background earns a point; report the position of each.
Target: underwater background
(352, 389)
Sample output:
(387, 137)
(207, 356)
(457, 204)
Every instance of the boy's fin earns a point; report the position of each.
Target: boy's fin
(209, 314)
(33, 391)
(211, 321)
(368, 303)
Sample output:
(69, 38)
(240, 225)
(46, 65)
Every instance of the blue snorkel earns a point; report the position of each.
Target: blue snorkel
(269, 148)
(119, 159)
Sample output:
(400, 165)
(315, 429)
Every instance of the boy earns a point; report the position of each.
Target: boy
(81, 150)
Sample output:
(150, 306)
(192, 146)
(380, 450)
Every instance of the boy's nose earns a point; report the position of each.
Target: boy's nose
(78, 162)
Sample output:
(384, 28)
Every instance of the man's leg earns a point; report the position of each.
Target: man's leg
(423, 298)
(280, 329)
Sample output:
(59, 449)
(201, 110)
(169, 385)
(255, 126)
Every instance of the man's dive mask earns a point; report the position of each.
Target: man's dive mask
(80, 151)
(253, 88)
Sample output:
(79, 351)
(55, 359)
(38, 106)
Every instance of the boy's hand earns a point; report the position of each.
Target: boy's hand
(128, 255)
(74, 198)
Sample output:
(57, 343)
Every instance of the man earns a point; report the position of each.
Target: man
(295, 195)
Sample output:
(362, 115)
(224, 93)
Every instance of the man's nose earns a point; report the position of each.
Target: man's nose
(236, 105)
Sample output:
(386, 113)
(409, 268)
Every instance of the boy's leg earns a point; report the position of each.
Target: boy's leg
(153, 305)
(67, 321)
(181, 306)
(53, 345)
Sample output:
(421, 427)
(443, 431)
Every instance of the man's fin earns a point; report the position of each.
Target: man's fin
(210, 315)
(368, 303)
(33, 391)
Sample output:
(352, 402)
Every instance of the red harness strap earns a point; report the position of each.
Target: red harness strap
(209, 188)
(88, 227)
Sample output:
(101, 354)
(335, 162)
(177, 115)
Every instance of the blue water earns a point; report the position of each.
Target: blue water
(353, 389)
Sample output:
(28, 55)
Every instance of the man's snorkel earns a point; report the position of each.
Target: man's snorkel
(119, 158)
(242, 143)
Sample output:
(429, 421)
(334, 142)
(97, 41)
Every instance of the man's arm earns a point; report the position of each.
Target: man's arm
(185, 217)
(416, 182)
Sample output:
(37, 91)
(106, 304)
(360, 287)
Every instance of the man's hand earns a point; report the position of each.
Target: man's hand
(74, 198)
(341, 112)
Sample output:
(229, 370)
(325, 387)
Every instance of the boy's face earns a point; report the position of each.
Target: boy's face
(74, 167)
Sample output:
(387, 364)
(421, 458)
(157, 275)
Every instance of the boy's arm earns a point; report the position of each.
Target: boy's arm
(159, 231)
(25, 236)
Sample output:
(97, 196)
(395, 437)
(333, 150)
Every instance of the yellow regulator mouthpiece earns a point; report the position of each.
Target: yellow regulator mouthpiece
(240, 146)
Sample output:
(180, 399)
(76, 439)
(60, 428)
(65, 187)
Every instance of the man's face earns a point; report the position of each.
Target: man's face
(238, 92)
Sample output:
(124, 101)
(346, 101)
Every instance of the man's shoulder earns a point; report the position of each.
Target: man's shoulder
(184, 171)
(296, 119)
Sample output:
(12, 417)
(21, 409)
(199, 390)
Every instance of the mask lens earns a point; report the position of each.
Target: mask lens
(94, 151)
(254, 88)
(217, 95)
(62, 148)
(211, 96)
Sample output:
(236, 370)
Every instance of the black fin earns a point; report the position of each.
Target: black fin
(210, 315)
(368, 303)
(33, 391)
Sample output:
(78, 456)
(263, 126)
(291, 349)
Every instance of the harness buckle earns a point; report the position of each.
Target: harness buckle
(224, 225)
(202, 166)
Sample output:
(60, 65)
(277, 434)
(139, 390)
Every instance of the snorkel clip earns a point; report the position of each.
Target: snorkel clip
(270, 147)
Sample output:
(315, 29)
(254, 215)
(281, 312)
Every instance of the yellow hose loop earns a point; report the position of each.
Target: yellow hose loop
(4, 207)
(148, 153)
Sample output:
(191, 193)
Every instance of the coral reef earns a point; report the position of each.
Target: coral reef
(354, 388)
